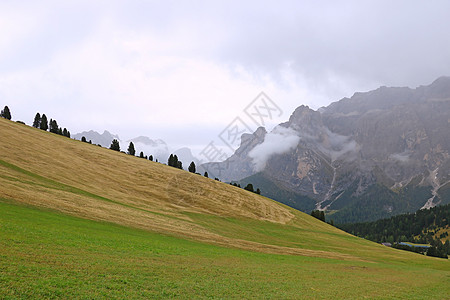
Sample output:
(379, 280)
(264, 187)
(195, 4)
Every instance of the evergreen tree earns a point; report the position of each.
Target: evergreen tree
(174, 162)
(206, 174)
(151, 158)
(54, 126)
(44, 123)
(131, 150)
(192, 167)
(64, 133)
(60, 131)
(83, 139)
(318, 214)
(115, 145)
(258, 191)
(37, 120)
(141, 155)
(6, 113)
(249, 187)
(432, 251)
(68, 133)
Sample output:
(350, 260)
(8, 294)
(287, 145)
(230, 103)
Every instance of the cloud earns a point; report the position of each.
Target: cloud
(402, 157)
(160, 64)
(339, 145)
(279, 141)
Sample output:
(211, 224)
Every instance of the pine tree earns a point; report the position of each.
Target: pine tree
(54, 126)
(174, 162)
(6, 113)
(249, 187)
(131, 150)
(151, 158)
(44, 123)
(141, 155)
(192, 167)
(319, 214)
(37, 120)
(258, 191)
(83, 139)
(115, 145)
(206, 174)
(64, 133)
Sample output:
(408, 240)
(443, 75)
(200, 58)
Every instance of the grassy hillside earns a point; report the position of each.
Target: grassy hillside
(273, 191)
(78, 220)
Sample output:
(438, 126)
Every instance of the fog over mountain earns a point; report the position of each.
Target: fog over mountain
(96, 138)
(383, 152)
(278, 141)
(155, 147)
(158, 148)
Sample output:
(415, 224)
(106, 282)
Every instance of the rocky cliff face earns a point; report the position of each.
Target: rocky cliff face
(239, 165)
(390, 146)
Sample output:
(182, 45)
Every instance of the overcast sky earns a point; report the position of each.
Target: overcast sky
(182, 71)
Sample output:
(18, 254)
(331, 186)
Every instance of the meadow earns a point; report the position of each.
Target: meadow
(81, 221)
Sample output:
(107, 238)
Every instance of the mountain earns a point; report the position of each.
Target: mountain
(81, 221)
(158, 148)
(103, 139)
(373, 155)
(186, 157)
(239, 165)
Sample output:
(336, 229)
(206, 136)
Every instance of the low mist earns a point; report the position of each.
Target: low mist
(279, 141)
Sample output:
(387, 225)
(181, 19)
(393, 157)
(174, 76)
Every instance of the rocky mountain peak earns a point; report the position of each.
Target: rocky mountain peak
(249, 140)
(305, 120)
(439, 88)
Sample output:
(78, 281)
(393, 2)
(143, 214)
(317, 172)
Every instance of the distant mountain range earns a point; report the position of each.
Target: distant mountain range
(157, 148)
(373, 155)
(103, 139)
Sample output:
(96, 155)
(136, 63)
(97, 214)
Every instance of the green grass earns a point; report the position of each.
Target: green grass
(44, 254)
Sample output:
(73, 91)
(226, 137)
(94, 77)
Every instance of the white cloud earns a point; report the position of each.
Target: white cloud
(132, 67)
(402, 157)
(279, 141)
